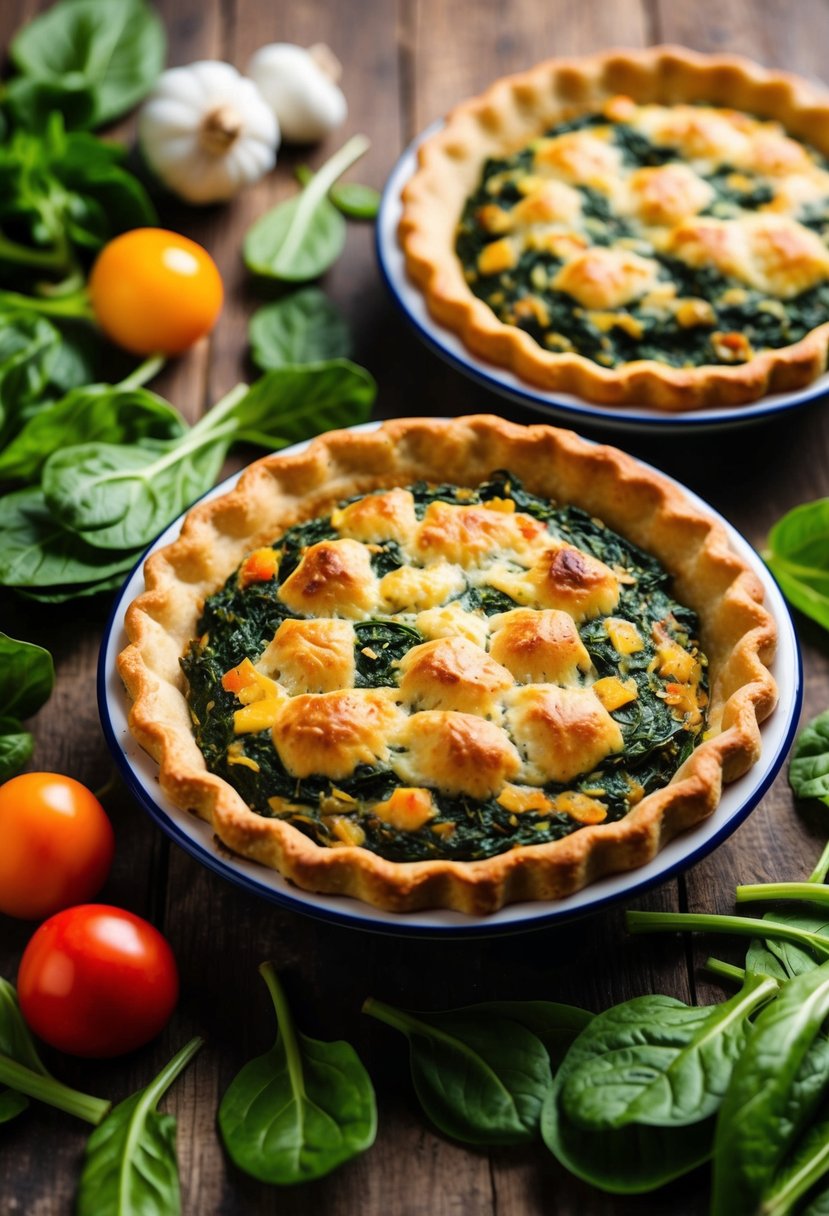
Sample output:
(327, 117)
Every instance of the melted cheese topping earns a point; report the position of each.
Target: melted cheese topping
(378, 517)
(453, 621)
(331, 733)
(466, 535)
(413, 589)
(573, 581)
(539, 647)
(455, 752)
(718, 189)
(561, 732)
(450, 716)
(311, 656)
(666, 195)
(582, 157)
(334, 578)
(452, 673)
(606, 278)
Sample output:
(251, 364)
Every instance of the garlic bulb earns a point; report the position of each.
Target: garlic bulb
(206, 131)
(300, 87)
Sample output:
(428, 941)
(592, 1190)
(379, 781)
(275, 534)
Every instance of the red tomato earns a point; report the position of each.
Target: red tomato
(155, 292)
(56, 844)
(97, 981)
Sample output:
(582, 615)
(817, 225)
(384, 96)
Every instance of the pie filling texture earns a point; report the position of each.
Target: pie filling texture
(441, 672)
(685, 234)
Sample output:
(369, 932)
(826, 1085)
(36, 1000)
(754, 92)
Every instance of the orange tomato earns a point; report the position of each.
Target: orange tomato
(155, 292)
(56, 844)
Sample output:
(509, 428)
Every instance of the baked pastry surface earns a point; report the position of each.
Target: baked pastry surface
(635, 227)
(518, 676)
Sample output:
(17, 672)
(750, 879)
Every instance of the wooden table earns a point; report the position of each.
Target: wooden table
(404, 65)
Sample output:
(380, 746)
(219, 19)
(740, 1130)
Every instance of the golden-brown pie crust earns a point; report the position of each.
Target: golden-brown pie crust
(737, 632)
(518, 108)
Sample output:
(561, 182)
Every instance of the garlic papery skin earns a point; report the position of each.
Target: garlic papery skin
(206, 131)
(300, 86)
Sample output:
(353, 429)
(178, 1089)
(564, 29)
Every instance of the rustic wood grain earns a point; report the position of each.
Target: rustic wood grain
(405, 64)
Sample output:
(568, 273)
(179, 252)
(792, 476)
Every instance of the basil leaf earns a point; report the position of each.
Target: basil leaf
(116, 48)
(480, 1078)
(130, 1163)
(37, 551)
(798, 557)
(27, 676)
(295, 402)
(95, 413)
(300, 1110)
(777, 1085)
(301, 237)
(305, 327)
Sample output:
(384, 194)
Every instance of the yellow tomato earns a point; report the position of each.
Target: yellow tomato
(155, 292)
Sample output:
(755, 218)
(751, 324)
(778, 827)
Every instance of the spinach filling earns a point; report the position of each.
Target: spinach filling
(238, 622)
(557, 322)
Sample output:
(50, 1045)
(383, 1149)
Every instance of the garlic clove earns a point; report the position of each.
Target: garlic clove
(206, 131)
(305, 99)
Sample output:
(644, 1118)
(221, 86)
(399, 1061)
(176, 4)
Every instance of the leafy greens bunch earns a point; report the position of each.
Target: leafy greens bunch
(63, 192)
(798, 557)
(652, 1088)
(90, 508)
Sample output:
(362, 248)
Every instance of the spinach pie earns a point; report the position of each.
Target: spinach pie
(449, 663)
(635, 227)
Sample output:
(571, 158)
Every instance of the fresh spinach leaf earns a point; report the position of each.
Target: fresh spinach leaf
(809, 765)
(27, 676)
(99, 413)
(797, 554)
(802, 1170)
(656, 1061)
(555, 1025)
(16, 747)
(293, 403)
(480, 1078)
(17, 1044)
(32, 101)
(130, 1164)
(776, 1087)
(120, 497)
(28, 348)
(300, 1110)
(115, 48)
(305, 327)
(300, 238)
(37, 551)
(356, 201)
(782, 959)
